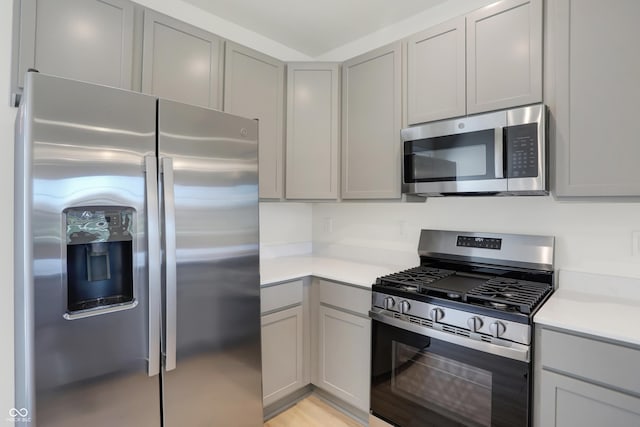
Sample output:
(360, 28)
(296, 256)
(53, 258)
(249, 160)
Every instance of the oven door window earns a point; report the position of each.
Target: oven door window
(467, 156)
(420, 381)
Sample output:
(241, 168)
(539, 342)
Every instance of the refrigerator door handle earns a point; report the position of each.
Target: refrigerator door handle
(154, 259)
(169, 233)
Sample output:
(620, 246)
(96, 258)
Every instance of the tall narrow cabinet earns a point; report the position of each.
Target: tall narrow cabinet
(312, 130)
(371, 122)
(254, 88)
(595, 63)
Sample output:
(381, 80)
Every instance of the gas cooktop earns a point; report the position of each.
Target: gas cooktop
(501, 293)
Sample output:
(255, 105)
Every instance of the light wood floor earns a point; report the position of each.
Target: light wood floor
(312, 412)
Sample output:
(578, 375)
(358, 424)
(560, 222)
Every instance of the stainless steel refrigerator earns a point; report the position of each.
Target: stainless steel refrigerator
(137, 294)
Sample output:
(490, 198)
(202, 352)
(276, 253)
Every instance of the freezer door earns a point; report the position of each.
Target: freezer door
(209, 191)
(82, 290)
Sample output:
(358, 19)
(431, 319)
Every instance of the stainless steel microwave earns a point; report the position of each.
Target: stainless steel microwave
(499, 153)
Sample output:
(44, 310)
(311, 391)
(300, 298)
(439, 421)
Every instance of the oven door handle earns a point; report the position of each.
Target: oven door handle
(515, 351)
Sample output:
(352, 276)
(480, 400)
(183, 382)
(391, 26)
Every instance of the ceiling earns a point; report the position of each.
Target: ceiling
(314, 27)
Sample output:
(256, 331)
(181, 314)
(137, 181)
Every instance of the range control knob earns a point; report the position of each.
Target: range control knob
(474, 323)
(388, 303)
(497, 328)
(436, 314)
(404, 306)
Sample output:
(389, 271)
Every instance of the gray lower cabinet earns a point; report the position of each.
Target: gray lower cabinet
(254, 87)
(504, 55)
(584, 381)
(282, 310)
(595, 64)
(568, 402)
(282, 345)
(90, 40)
(436, 85)
(344, 343)
(371, 122)
(312, 130)
(181, 62)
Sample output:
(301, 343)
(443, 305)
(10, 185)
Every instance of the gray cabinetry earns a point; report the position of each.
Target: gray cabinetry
(312, 131)
(585, 382)
(254, 87)
(436, 86)
(596, 64)
(281, 354)
(504, 55)
(181, 62)
(371, 122)
(282, 341)
(569, 402)
(344, 343)
(90, 40)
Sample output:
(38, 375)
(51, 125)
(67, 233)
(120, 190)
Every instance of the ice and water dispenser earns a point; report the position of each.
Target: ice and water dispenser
(99, 244)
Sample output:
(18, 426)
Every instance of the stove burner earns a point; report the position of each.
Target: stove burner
(498, 305)
(502, 293)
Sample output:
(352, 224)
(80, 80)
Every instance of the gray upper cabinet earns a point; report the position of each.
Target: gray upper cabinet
(312, 130)
(504, 55)
(90, 40)
(181, 62)
(371, 122)
(596, 64)
(254, 87)
(436, 86)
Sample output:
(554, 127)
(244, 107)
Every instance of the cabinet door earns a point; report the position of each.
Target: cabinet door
(567, 402)
(281, 354)
(312, 131)
(345, 356)
(436, 87)
(504, 55)
(90, 40)
(596, 64)
(254, 88)
(371, 121)
(181, 62)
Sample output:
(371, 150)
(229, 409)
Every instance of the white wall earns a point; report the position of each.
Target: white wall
(7, 116)
(285, 229)
(592, 237)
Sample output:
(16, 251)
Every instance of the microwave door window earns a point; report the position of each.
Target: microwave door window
(451, 158)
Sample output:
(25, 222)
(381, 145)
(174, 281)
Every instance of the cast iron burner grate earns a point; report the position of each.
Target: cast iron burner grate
(414, 277)
(503, 293)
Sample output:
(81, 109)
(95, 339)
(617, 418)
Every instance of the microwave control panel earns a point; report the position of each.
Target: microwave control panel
(522, 150)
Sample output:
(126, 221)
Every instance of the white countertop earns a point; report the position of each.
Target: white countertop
(294, 267)
(593, 304)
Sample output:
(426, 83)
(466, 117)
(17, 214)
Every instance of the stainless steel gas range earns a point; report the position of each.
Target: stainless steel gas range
(452, 338)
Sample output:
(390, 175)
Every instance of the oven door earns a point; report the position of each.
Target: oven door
(420, 381)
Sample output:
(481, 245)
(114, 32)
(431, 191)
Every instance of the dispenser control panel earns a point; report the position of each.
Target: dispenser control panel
(99, 224)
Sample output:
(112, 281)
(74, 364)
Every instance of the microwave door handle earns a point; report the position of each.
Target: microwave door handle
(154, 260)
(499, 152)
(169, 233)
